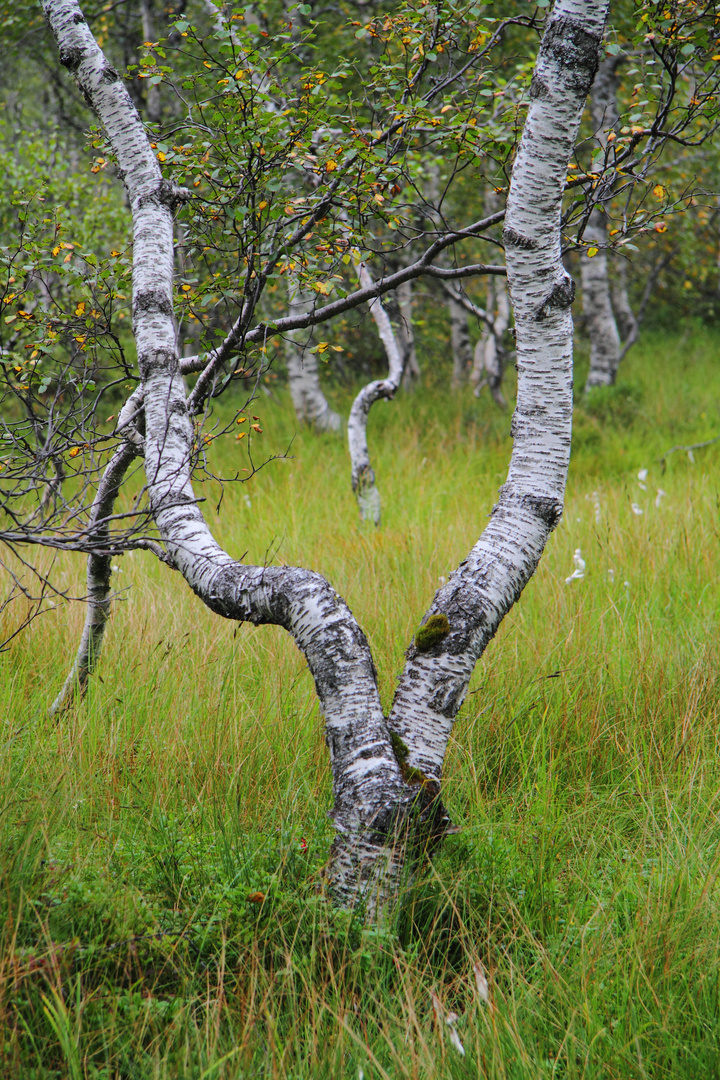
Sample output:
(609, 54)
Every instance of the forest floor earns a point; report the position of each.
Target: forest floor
(161, 844)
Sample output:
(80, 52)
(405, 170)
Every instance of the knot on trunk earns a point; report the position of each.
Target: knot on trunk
(549, 510)
(538, 89)
(573, 47)
(152, 302)
(166, 194)
(71, 57)
(157, 361)
(561, 297)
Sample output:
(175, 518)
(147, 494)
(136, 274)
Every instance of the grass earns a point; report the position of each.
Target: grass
(161, 845)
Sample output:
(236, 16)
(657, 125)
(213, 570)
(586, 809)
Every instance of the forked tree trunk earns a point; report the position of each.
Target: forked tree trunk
(374, 785)
(597, 305)
(311, 405)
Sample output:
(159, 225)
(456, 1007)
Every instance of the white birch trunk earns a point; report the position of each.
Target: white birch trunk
(460, 341)
(489, 359)
(362, 474)
(98, 580)
(624, 314)
(366, 777)
(311, 405)
(373, 786)
(486, 585)
(597, 305)
(406, 333)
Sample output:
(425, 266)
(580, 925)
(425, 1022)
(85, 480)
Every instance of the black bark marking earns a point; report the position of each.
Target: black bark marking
(538, 89)
(569, 44)
(448, 697)
(109, 74)
(547, 509)
(155, 361)
(561, 297)
(152, 302)
(516, 239)
(72, 57)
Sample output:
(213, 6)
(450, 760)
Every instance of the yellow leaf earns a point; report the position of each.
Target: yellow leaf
(658, 191)
(161, 156)
(80, 309)
(330, 166)
(262, 205)
(241, 435)
(592, 251)
(56, 251)
(114, 254)
(660, 226)
(75, 451)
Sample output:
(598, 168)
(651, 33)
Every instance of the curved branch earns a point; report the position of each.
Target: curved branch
(363, 476)
(98, 580)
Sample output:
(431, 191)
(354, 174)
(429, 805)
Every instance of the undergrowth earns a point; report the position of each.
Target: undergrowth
(162, 845)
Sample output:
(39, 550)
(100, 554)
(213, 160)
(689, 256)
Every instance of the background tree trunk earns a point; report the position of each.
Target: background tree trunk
(362, 474)
(460, 341)
(406, 333)
(597, 305)
(311, 405)
(489, 359)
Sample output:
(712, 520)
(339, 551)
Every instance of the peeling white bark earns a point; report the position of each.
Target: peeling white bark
(311, 405)
(362, 475)
(486, 585)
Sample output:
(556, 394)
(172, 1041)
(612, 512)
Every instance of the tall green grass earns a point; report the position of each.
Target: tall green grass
(162, 844)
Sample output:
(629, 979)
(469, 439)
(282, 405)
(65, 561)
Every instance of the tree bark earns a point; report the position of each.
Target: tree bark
(489, 359)
(482, 590)
(362, 474)
(376, 779)
(413, 375)
(98, 579)
(311, 405)
(597, 305)
(460, 341)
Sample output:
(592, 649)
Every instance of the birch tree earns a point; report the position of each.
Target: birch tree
(386, 771)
